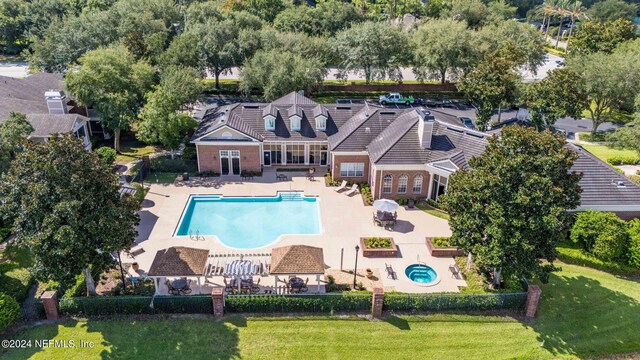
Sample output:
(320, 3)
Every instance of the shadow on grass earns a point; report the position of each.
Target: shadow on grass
(398, 322)
(581, 317)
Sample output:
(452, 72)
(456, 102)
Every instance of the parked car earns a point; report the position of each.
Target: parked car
(396, 98)
(468, 123)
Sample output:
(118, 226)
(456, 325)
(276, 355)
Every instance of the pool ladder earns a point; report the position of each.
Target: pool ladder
(291, 196)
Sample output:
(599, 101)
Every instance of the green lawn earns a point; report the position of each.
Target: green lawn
(130, 151)
(432, 211)
(603, 152)
(583, 313)
(14, 275)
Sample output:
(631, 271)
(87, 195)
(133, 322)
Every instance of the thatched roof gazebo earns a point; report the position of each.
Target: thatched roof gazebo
(298, 260)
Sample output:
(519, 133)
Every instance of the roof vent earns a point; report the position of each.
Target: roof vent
(343, 107)
(367, 130)
(620, 184)
(251, 107)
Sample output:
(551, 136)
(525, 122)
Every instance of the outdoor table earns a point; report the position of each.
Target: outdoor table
(282, 177)
(179, 284)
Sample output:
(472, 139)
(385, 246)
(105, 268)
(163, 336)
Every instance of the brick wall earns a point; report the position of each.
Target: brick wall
(209, 157)
(339, 159)
(377, 187)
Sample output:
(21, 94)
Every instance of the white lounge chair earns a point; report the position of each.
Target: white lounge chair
(342, 186)
(354, 189)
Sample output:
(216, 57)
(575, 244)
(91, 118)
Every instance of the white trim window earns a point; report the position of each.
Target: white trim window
(352, 169)
(387, 184)
(417, 184)
(403, 182)
(270, 123)
(321, 123)
(295, 123)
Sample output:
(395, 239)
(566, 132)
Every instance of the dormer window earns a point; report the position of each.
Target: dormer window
(321, 123)
(295, 123)
(269, 123)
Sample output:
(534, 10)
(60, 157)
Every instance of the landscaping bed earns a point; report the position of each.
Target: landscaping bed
(431, 210)
(378, 247)
(438, 249)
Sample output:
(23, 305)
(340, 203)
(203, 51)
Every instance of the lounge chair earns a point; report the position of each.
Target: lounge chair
(390, 272)
(354, 189)
(342, 186)
(455, 271)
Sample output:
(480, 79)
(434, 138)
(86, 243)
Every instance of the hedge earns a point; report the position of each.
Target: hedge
(438, 302)
(298, 303)
(112, 305)
(623, 160)
(9, 311)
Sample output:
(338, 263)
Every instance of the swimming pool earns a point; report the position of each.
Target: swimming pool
(250, 222)
(421, 273)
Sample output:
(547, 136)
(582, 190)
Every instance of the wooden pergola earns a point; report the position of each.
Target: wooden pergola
(178, 262)
(297, 260)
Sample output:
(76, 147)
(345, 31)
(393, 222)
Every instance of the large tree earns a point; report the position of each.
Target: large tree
(609, 81)
(325, 19)
(556, 96)
(277, 73)
(443, 48)
(161, 119)
(473, 12)
(510, 209)
(612, 10)
(64, 204)
(13, 134)
(602, 36)
(490, 85)
(112, 82)
(520, 43)
(376, 49)
(13, 21)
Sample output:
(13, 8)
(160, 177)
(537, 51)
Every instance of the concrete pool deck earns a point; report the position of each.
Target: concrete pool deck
(344, 220)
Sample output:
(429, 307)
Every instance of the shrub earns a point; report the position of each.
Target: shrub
(377, 243)
(4, 232)
(402, 201)
(107, 154)
(601, 233)
(141, 192)
(163, 164)
(16, 283)
(622, 160)
(78, 288)
(438, 302)
(329, 181)
(441, 242)
(365, 190)
(434, 204)
(633, 252)
(189, 153)
(299, 303)
(9, 311)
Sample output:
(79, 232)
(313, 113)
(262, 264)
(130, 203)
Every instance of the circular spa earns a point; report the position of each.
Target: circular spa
(421, 274)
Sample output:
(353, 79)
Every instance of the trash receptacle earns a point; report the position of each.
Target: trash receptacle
(185, 176)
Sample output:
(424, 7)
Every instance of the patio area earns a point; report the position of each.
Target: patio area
(344, 220)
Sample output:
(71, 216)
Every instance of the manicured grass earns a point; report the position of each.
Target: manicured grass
(583, 313)
(15, 279)
(165, 177)
(588, 137)
(134, 150)
(432, 211)
(603, 152)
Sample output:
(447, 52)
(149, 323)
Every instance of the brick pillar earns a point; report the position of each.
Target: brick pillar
(50, 304)
(217, 296)
(533, 298)
(376, 302)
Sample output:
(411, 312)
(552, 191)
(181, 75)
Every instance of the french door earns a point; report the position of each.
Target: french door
(230, 162)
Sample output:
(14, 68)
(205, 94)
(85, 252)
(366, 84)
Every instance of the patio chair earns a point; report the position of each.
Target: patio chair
(376, 221)
(304, 288)
(390, 272)
(354, 189)
(172, 291)
(455, 271)
(255, 287)
(227, 287)
(187, 289)
(342, 186)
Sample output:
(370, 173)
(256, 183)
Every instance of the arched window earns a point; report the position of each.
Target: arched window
(417, 184)
(227, 135)
(403, 181)
(387, 184)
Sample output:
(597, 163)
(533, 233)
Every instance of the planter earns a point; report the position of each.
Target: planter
(135, 266)
(442, 252)
(369, 273)
(378, 252)
(411, 204)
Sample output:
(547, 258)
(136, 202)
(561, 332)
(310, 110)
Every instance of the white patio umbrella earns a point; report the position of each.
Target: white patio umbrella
(386, 205)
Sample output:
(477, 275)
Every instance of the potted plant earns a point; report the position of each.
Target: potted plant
(411, 203)
(135, 266)
(369, 273)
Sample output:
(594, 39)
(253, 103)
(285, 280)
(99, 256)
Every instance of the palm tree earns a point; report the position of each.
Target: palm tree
(575, 11)
(550, 9)
(546, 10)
(561, 11)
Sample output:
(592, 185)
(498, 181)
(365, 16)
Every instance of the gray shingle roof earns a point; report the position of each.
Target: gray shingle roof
(449, 141)
(26, 95)
(399, 143)
(46, 124)
(294, 98)
(599, 182)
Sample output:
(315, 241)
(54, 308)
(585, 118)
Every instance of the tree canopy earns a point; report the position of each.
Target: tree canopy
(374, 49)
(277, 73)
(612, 10)
(64, 204)
(602, 36)
(13, 135)
(510, 210)
(112, 82)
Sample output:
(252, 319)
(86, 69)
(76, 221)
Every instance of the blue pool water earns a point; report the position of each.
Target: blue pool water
(250, 222)
(421, 273)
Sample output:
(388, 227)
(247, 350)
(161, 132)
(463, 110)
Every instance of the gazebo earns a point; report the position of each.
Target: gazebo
(180, 262)
(297, 260)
